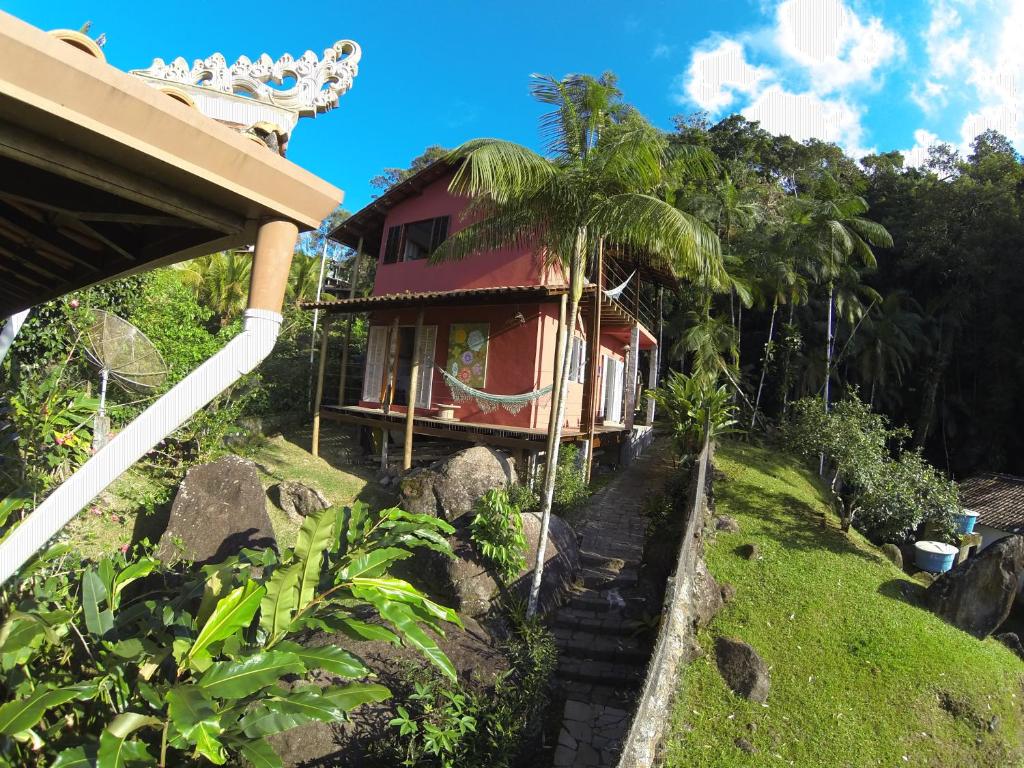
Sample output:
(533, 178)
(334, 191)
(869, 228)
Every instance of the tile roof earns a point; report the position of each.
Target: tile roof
(998, 500)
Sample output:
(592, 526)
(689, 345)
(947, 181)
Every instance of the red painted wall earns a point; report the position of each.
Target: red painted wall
(485, 270)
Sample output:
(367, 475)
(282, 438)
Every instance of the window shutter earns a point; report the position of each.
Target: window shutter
(440, 233)
(602, 376)
(582, 369)
(428, 340)
(574, 359)
(375, 348)
(391, 249)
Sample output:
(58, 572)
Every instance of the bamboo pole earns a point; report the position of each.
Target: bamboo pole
(414, 377)
(348, 324)
(390, 380)
(556, 386)
(594, 350)
(325, 330)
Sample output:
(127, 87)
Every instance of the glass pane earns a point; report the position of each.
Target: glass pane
(391, 249)
(417, 240)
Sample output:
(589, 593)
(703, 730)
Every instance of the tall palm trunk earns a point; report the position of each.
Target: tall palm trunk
(557, 417)
(787, 362)
(828, 362)
(764, 363)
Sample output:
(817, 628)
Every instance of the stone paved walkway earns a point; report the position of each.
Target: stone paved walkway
(602, 661)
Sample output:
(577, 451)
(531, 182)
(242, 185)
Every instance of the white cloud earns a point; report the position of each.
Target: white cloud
(809, 116)
(930, 96)
(717, 74)
(830, 42)
(946, 41)
(661, 51)
(916, 156)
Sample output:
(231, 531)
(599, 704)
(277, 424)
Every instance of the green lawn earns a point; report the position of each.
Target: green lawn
(861, 676)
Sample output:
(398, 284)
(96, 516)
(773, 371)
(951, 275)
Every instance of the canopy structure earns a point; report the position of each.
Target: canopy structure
(102, 175)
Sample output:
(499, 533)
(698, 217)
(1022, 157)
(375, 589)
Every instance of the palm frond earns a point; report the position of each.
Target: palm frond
(500, 170)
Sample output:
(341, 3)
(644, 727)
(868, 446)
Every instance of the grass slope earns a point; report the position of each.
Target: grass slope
(861, 676)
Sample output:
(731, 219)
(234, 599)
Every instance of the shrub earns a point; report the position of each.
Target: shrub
(497, 531)
(690, 403)
(571, 489)
(131, 664)
(445, 725)
(887, 498)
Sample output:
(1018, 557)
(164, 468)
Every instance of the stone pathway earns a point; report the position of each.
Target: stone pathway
(602, 660)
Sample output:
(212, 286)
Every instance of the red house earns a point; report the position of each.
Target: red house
(487, 329)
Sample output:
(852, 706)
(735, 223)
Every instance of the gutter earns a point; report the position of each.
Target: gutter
(274, 245)
(11, 328)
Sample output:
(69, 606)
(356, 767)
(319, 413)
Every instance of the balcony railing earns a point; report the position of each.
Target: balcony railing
(638, 299)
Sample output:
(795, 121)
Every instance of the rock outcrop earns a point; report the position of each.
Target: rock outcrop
(219, 509)
(742, 669)
(451, 487)
(978, 594)
(298, 500)
(893, 554)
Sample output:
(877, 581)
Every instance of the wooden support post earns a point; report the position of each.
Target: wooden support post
(632, 362)
(414, 378)
(590, 389)
(325, 330)
(560, 346)
(390, 380)
(652, 383)
(348, 324)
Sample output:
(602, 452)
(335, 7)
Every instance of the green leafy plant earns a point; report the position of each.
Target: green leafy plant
(126, 663)
(690, 403)
(497, 531)
(440, 727)
(571, 489)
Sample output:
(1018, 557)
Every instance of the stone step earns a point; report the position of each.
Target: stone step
(588, 645)
(601, 622)
(601, 578)
(611, 599)
(620, 697)
(607, 673)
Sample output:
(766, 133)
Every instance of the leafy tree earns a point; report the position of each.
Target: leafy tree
(392, 176)
(221, 281)
(602, 162)
(694, 404)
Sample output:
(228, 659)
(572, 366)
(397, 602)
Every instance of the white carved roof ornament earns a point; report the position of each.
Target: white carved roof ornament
(250, 92)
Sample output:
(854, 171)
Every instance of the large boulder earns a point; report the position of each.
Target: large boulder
(219, 509)
(742, 669)
(451, 487)
(298, 500)
(978, 594)
(471, 588)
(707, 594)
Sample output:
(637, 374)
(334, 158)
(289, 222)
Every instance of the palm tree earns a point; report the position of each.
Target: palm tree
(220, 281)
(594, 184)
(835, 233)
(887, 343)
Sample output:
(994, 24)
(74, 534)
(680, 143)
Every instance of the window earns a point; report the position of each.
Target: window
(379, 371)
(578, 360)
(416, 240)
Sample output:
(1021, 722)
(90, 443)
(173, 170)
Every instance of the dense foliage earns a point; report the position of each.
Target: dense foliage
(127, 663)
(497, 532)
(693, 405)
(887, 498)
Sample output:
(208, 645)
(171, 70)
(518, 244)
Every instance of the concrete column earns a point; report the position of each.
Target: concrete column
(275, 244)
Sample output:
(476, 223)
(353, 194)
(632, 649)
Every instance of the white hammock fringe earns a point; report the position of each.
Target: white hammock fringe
(614, 293)
(487, 402)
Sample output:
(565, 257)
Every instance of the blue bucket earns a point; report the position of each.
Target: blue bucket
(934, 556)
(965, 521)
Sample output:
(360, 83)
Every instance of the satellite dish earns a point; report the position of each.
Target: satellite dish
(122, 352)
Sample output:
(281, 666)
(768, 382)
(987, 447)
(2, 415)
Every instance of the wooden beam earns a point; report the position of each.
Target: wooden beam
(414, 377)
(390, 380)
(325, 330)
(39, 233)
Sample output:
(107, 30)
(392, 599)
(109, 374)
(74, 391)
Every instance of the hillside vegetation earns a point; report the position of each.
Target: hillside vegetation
(861, 676)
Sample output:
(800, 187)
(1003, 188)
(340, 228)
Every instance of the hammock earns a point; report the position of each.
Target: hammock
(487, 402)
(614, 293)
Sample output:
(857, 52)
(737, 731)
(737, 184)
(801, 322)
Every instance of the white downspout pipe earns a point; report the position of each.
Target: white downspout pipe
(11, 328)
(240, 356)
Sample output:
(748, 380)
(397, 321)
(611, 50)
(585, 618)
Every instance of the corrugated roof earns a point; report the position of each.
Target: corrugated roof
(998, 499)
(497, 295)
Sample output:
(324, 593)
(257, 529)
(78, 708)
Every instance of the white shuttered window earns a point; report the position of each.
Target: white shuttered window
(376, 352)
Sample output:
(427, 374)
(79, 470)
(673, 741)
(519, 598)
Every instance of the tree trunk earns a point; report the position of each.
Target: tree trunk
(828, 364)
(787, 362)
(558, 416)
(764, 364)
(933, 377)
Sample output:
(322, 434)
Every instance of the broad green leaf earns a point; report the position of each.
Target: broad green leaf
(22, 714)
(129, 648)
(237, 679)
(281, 601)
(404, 592)
(364, 630)
(315, 537)
(76, 757)
(267, 719)
(97, 620)
(22, 638)
(232, 613)
(429, 521)
(133, 572)
(373, 563)
(330, 658)
(350, 696)
(192, 715)
(260, 754)
(116, 750)
(400, 615)
(217, 584)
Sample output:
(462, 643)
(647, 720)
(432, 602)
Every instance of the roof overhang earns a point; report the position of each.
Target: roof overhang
(102, 175)
(510, 294)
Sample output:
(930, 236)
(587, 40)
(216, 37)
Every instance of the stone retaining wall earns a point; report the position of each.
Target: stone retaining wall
(676, 642)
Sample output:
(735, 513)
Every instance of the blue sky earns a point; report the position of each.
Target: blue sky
(869, 75)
